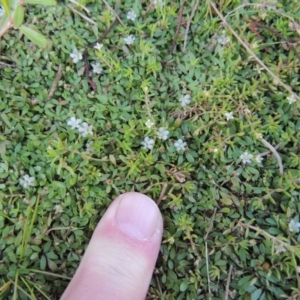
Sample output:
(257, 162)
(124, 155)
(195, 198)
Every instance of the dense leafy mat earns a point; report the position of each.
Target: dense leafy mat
(188, 119)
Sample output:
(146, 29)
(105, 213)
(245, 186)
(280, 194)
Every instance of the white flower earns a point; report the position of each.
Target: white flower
(89, 147)
(149, 123)
(74, 123)
(294, 226)
(131, 15)
(258, 158)
(223, 39)
(26, 181)
(98, 46)
(246, 158)
(180, 145)
(96, 68)
(158, 3)
(58, 209)
(148, 143)
(185, 100)
(291, 99)
(279, 248)
(85, 129)
(129, 40)
(1, 11)
(162, 133)
(229, 115)
(216, 150)
(76, 56)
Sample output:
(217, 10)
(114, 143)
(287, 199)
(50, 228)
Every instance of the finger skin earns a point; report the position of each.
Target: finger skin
(117, 265)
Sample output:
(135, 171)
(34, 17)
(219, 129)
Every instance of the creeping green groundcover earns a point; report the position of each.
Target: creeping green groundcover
(194, 103)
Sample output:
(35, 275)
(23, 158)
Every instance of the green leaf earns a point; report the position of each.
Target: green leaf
(226, 201)
(5, 4)
(274, 231)
(183, 286)
(5, 120)
(35, 36)
(243, 281)
(52, 265)
(256, 294)
(43, 2)
(19, 16)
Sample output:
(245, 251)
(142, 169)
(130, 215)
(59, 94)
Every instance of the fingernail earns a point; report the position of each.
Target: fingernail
(137, 216)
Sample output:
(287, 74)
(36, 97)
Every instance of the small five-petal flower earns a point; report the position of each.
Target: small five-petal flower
(185, 100)
(149, 123)
(129, 40)
(180, 145)
(98, 46)
(85, 129)
(246, 158)
(291, 99)
(26, 181)
(162, 133)
(229, 115)
(294, 226)
(147, 143)
(74, 123)
(76, 56)
(96, 68)
(131, 15)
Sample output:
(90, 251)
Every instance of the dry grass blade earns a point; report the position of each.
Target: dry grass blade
(113, 11)
(178, 27)
(81, 15)
(55, 83)
(80, 5)
(273, 150)
(247, 47)
(228, 283)
(189, 24)
(207, 269)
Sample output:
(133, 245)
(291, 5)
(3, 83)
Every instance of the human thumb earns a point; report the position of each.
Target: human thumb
(120, 258)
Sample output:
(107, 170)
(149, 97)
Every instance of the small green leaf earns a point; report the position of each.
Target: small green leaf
(19, 16)
(43, 2)
(112, 159)
(35, 36)
(5, 120)
(256, 294)
(183, 286)
(226, 201)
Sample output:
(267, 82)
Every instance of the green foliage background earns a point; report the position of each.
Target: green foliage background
(213, 205)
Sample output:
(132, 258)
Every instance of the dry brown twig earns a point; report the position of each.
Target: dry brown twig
(269, 151)
(289, 43)
(80, 5)
(55, 83)
(211, 222)
(273, 150)
(178, 27)
(75, 11)
(113, 11)
(162, 194)
(151, 5)
(195, 7)
(249, 50)
(228, 283)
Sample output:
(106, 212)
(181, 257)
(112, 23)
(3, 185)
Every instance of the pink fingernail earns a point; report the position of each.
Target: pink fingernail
(137, 216)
